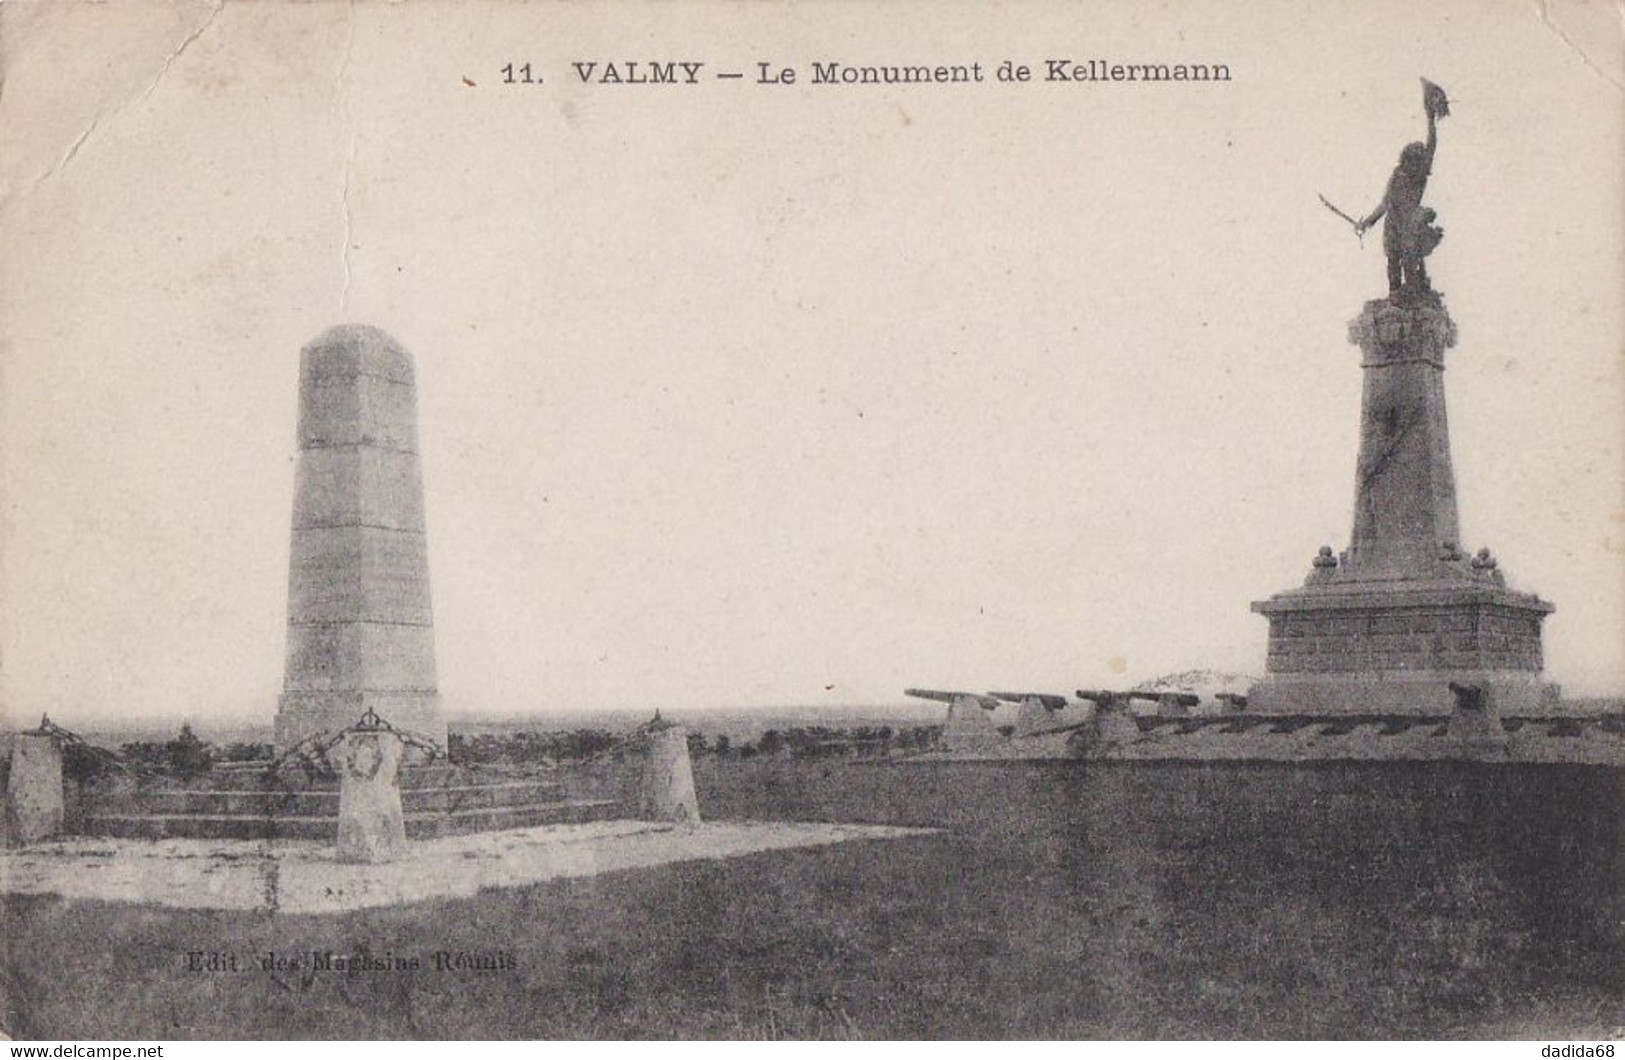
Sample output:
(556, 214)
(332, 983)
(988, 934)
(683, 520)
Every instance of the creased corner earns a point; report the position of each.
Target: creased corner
(104, 115)
(1543, 8)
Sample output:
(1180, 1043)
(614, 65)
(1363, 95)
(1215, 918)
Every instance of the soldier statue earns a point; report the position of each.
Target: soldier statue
(1409, 234)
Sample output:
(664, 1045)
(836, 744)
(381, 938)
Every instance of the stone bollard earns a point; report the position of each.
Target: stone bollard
(34, 803)
(667, 789)
(372, 827)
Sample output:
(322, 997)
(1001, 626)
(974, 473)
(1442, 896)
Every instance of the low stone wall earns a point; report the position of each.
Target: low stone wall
(1580, 739)
(646, 777)
(436, 799)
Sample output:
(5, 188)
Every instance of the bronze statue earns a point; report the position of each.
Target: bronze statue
(1409, 234)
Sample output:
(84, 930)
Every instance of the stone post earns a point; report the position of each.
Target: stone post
(666, 792)
(372, 827)
(34, 802)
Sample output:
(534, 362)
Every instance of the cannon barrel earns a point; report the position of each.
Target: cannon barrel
(1184, 699)
(1049, 702)
(1102, 698)
(985, 702)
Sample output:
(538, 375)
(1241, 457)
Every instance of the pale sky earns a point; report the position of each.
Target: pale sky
(730, 393)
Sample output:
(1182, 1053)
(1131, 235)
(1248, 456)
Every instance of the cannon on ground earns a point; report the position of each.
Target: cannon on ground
(1034, 711)
(966, 729)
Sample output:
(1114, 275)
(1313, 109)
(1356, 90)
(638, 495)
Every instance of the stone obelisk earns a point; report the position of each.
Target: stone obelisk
(360, 628)
(1392, 622)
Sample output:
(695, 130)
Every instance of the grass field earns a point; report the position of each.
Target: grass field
(1062, 900)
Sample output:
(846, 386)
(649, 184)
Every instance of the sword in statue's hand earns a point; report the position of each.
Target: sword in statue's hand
(1359, 229)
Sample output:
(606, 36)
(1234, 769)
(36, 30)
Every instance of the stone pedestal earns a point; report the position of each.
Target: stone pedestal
(1031, 717)
(667, 789)
(969, 727)
(1389, 624)
(372, 827)
(360, 628)
(1036, 712)
(1113, 724)
(34, 802)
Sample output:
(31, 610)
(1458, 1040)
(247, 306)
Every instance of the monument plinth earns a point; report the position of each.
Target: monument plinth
(1392, 622)
(360, 629)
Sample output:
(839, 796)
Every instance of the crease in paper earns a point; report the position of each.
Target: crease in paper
(1544, 9)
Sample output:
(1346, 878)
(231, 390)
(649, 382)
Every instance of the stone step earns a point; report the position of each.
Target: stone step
(434, 775)
(230, 802)
(418, 825)
(210, 826)
(498, 818)
(506, 793)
